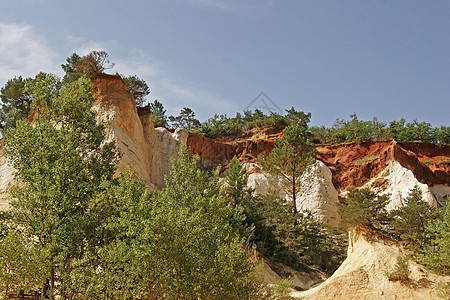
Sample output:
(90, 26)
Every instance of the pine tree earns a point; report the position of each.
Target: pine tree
(364, 207)
(15, 102)
(290, 158)
(236, 180)
(158, 114)
(410, 221)
(436, 253)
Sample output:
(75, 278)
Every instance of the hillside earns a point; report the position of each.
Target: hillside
(385, 166)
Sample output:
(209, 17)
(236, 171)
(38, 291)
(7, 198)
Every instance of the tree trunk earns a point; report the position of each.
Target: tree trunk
(44, 289)
(52, 283)
(294, 195)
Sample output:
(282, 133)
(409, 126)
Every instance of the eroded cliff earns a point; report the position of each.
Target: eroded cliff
(362, 275)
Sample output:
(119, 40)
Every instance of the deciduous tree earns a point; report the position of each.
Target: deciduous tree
(60, 161)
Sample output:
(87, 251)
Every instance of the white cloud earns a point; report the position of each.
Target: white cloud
(23, 51)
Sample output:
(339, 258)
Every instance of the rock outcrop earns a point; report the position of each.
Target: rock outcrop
(133, 133)
(316, 191)
(387, 167)
(6, 179)
(362, 275)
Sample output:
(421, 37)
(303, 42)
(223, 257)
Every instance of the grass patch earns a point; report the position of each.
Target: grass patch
(364, 160)
(445, 162)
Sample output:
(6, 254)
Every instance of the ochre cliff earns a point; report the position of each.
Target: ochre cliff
(133, 133)
(387, 167)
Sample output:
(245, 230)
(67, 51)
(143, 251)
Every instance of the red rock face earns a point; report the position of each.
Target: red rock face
(352, 164)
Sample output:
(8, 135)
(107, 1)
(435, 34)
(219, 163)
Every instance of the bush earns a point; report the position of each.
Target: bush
(401, 270)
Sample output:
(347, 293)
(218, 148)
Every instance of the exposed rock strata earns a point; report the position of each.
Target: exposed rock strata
(363, 274)
(133, 133)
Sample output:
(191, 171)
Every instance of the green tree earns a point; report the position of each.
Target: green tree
(186, 119)
(138, 88)
(15, 102)
(365, 207)
(299, 239)
(297, 117)
(436, 252)
(409, 222)
(236, 180)
(289, 159)
(70, 67)
(19, 264)
(158, 114)
(96, 62)
(60, 160)
(182, 242)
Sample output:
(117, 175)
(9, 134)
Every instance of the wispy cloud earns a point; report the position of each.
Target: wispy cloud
(23, 51)
(173, 92)
(82, 46)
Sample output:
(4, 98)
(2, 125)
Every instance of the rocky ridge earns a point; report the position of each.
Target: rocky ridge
(362, 275)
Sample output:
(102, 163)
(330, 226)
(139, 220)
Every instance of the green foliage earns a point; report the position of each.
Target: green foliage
(137, 87)
(19, 264)
(96, 62)
(409, 222)
(355, 130)
(282, 288)
(182, 242)
(158, 114)
(436, 253)
(289, 159)
(72, 73)
(221, 125)
(401, 270)
(15, 102)
(236, 180)
(362, 206)
(298, 239)
(60, 161)
(186, 119)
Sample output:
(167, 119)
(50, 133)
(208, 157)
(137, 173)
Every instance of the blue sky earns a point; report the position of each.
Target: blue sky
(380, 58)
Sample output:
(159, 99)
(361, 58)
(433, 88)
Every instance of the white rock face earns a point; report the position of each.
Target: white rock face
(316, 193)
(440, 191)
(398, 181)
(6, 179)
(170, 145)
